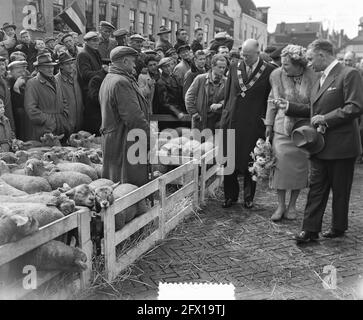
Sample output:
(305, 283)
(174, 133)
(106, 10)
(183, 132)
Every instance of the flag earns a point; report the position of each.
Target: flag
(74, 18)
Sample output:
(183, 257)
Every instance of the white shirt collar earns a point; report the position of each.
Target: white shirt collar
(254, 66)
(330, 67)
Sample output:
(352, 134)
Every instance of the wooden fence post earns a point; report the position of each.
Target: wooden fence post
(85, 242)
(196, 185)
(162, 210)
(202, 180)
(109, 243)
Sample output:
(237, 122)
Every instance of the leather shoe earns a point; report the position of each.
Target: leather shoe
(306, 236)
(331, 234)
(248, 204)
(228, 203)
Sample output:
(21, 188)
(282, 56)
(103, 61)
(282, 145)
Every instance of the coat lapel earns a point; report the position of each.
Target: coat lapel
(242, 67)
(328, 81)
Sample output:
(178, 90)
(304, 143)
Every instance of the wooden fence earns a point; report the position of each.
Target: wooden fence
(197, 187)
(79, 220)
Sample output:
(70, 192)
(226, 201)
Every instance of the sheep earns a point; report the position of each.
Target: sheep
(27, 184)
(83, 196)
(82, 157)
(56, 256)
(41, 212)
(56, 199)
(56, 179)
(101, 183)
(78, 141)
(16, 227)
(8, 190)
(9, 157)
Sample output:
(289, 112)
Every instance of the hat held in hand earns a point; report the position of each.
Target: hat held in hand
(307, 137)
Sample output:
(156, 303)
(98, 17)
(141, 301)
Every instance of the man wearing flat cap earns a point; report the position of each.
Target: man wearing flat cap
(68, 82)
(122, 37)
(123, 109)
(106, 43)
(9, 41)
(184, 65)
(68, 41)
(163, 41)
(136, 42)
(89, 64)
(17, 80)
(44, 103)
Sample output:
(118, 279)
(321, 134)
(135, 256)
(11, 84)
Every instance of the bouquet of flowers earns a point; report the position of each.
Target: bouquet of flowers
(263, 160)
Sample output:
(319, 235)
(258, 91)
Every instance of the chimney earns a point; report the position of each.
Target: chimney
(283, 27)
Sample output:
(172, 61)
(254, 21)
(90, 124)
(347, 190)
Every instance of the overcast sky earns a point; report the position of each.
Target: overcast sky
(336, 14)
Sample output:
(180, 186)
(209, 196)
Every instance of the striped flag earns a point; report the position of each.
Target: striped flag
(74, 18)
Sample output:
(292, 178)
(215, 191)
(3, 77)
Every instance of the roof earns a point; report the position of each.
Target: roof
(247, 6)
(303, 27)
(357, 40)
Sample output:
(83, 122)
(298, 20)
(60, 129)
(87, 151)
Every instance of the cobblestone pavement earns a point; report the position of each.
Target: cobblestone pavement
(259, 257)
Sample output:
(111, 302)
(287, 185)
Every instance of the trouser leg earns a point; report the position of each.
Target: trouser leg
(231, 186)
(342, 172)
(318, 196)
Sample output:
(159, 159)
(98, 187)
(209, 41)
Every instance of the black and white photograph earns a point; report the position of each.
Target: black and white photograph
(179, 150)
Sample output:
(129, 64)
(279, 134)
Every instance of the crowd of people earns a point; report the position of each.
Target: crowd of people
(305, 101)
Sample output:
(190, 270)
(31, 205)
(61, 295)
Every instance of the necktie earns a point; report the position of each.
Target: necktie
(322, 79)
(249, 72)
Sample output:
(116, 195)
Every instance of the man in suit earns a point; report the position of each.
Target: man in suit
(246, 94)
(336, 104)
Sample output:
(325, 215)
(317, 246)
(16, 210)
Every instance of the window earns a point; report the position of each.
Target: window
(114, 15)
(142, 23)
(186, 17)
(102, 11)
(164, 22)
(151, 27)
(219, 6)
(198, 22)
(203, 5)
(132, 15)
(170, 25)
(206, 31)
(245, 32)
(58, 7)
(171, 4)
(90, 24)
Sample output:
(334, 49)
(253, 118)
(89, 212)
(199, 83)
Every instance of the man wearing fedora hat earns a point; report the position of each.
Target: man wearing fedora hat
(106, 43)
(336, 105)
(44, 102)
(68, 82)
(123, 108)
(163, 41)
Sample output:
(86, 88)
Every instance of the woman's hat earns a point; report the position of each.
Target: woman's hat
(44, 60)
(307, 138)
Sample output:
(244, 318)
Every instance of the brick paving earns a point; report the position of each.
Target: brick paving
(245, 248)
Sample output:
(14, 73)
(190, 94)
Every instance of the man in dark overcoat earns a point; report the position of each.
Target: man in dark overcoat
(336, 105)
(89, 64)
(123, 109)
(247, 91)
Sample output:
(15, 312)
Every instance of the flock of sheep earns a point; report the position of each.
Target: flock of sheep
(42, 182)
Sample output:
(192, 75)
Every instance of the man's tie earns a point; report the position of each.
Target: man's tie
(322, 79)
(249, 72)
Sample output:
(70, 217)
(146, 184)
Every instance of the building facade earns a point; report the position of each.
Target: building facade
(202, 16)
(355, 44)
(249, 22)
